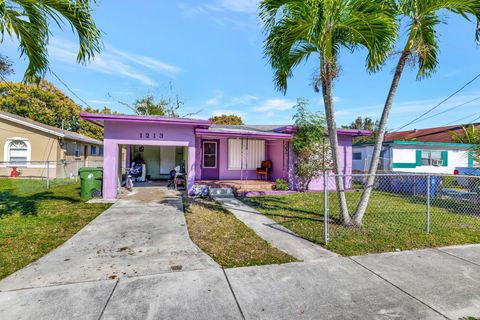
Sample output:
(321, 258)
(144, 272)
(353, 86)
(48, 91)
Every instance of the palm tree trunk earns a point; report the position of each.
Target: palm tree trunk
(327, 77)
(362, 206)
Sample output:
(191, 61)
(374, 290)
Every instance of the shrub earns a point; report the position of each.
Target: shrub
(281, 184)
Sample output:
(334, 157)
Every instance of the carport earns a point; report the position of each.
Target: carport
(127, 130)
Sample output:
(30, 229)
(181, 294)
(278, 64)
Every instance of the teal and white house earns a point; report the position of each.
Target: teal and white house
(415, 156)
(416, 152)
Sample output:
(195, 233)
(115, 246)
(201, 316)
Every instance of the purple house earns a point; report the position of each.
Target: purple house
(209, 152)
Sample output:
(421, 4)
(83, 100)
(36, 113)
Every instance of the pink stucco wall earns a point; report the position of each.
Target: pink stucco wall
(273, 152)
(345, 151)
(122, 133)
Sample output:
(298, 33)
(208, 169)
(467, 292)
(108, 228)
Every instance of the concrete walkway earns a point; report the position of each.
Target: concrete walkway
(423, 284)
(275, 234)
(142, 234)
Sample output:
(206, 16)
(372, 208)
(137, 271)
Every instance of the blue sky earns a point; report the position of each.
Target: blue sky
(210, 53)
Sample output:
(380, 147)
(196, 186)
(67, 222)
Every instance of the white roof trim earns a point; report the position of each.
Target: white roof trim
(31, 125)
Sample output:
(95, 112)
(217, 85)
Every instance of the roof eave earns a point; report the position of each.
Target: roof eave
(99, 119)
(31, 125)
(225, 133)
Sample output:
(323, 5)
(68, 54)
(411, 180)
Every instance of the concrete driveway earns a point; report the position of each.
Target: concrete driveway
(126, 265)
(142, 234)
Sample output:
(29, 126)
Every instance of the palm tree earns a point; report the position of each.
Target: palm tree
(28, 21)
(421, 48)
(298, 29)
(470, 135)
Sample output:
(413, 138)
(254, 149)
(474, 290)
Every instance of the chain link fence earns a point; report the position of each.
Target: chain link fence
(409, 205)
(52, 172)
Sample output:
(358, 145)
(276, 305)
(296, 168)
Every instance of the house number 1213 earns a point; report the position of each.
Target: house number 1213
(148, 135)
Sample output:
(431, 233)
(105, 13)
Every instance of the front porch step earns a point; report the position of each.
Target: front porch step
(221, 192)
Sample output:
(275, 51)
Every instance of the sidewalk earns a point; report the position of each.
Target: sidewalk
(275, 234)
(422, 284)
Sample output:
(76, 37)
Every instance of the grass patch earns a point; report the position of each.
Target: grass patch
(392, 222)
(226, 239)
(35, 220)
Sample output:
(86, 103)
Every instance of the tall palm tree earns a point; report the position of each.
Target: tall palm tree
(298, 29)
(28, 21)
(421, 17)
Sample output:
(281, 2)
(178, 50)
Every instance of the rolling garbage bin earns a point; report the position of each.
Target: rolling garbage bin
(90, 182)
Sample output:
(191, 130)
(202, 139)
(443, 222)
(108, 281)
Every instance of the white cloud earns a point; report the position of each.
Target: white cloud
(147, 62)
(212, 101)
(103, 102)
(215, 99)
(275, 105)
(219, 98)
(243, 6)
(241, 100)
(221, 6)
(114, 61)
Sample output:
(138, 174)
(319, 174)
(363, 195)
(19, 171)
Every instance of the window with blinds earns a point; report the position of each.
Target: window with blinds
(248, 154)
(18, 152)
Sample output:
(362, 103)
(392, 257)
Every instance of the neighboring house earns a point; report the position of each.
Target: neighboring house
(38, 150)
(209, 152)
(431, 150)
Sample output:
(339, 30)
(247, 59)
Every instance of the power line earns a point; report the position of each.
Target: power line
(68, 88)
(458, 120)
(450, 109)
(439, 104)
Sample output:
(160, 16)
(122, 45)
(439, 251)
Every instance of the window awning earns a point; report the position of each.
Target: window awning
(242, 134)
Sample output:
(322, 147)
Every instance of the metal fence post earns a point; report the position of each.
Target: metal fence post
(427, 228)
(48, 174)
(326, 235)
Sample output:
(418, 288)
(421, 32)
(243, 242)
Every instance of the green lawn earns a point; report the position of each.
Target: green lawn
(34, 220)
(392, 221)
(226, 239)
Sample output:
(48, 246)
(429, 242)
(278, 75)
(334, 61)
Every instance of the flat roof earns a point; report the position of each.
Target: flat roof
(205, 127)
(100, 119)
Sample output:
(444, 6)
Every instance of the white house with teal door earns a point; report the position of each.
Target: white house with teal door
(415, 156)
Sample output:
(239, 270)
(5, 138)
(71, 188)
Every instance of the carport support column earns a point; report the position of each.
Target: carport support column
(110, 169)
(191, 169)
(128, 161)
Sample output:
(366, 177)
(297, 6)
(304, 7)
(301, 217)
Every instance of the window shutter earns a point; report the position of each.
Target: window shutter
(234, 154)
(470, 159)
(418, 161)
(445, 158)
(256, 153)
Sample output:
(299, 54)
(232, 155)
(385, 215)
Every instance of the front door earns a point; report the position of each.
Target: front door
(210, 162)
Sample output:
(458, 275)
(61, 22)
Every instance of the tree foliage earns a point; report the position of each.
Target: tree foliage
(29, 22)
(149, 105)
(309, 143)
(366, 123)
(5, 67)
(469, 135)
(227, 119)
(48, 105)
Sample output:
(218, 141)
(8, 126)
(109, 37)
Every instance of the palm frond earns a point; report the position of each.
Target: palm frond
(296, 29)
(424, 19)
(28, 21)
